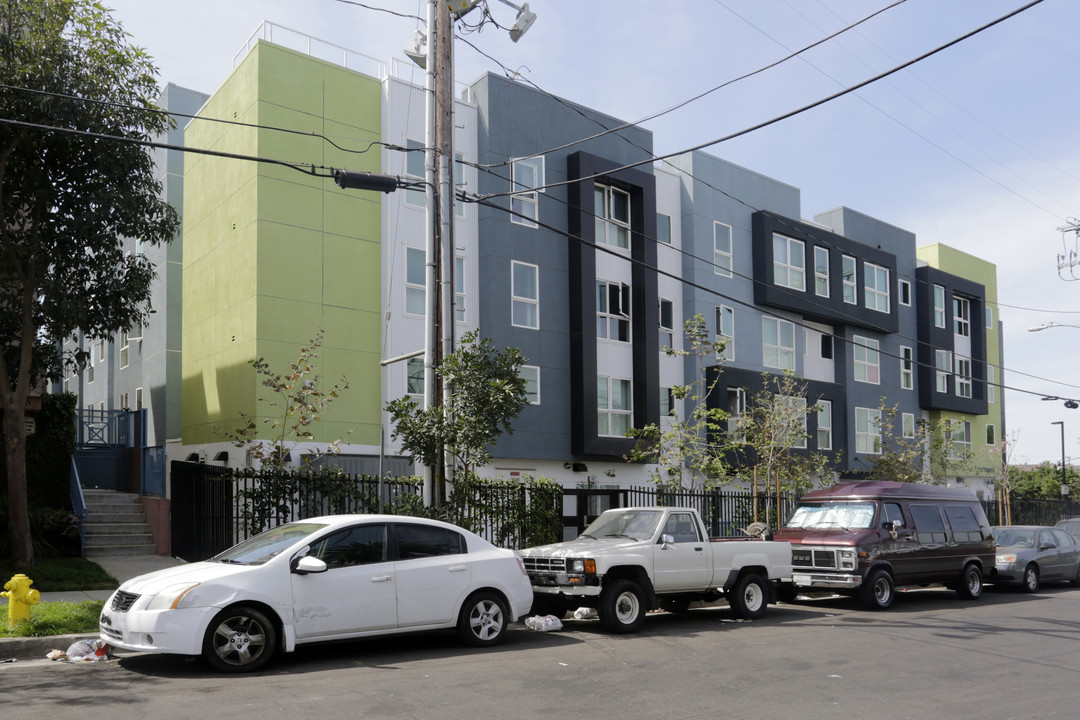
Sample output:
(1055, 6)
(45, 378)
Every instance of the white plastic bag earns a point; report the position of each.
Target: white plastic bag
(585, 613)
(88, 651)
(543, 623)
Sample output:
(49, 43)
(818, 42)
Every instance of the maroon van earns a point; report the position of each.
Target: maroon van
(869, 538)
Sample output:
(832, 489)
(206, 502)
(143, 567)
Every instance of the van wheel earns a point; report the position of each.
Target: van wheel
(970, 586)
(1031, 578)
(622, 607)
(750, 597)
(877, 591)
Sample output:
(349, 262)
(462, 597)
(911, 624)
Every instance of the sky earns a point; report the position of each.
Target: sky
(976, 147)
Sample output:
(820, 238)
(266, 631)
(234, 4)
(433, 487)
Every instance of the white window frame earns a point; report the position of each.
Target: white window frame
(125, 349)
(991, 434)
(943, 369)
(939, 306)
(789, 262)
(415, 197)
(777, 355)
(866, 353)
(824, 425)
(960, 431)
(606, 411)
(736, 411)
(850, 278)
(907, 368)
(905, 293)
(877, 287)
(725, 331)
(525, 198)
(989, 317)
(610, 230)
(613, 306)
(907, 425)
(459, 289)
(723, 252)
(667, 402)
(138, 398)
(667, 324)
(531, 305)
(531, 375)
(660, 236)
(961, 316)
(415, 287)
(962, 371)
(867, 431)
(991, 383)
(821, 271)
(414, 376)
(798, 427)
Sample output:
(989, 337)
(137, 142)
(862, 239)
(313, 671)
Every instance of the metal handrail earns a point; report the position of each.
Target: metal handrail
(266, 29)
(78, 503)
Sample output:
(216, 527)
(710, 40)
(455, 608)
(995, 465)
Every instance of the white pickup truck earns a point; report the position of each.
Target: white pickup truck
(632, 560)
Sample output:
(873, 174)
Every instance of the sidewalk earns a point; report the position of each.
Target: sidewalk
(121, 567)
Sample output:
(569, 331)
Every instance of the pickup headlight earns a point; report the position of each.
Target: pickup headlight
(170, 597)
(581, 565)
(1006, 559)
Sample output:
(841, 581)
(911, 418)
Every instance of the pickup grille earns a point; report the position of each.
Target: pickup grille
(811, 558)
(544, 565)
(122, 601)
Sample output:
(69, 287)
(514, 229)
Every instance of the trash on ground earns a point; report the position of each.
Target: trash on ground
(585, 613)
(83, 651)
(738, 620)
(543, 623)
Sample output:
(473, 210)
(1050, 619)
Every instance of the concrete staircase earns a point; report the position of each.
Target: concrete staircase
(115, 525)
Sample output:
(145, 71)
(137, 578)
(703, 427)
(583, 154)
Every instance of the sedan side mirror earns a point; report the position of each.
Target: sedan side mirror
(308, 565)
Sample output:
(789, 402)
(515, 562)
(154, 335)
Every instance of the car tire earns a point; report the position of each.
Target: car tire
(749, 598)
(970, 586)
(240, 639)
(622, 607)
(483, 619)
(877, 590)
(1030, 583)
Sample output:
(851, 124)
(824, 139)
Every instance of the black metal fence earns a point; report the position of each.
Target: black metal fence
(1029, 511)
(725, 511)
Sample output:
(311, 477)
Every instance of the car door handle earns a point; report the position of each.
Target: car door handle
(381, 578)
(697, 549)
(458, 568)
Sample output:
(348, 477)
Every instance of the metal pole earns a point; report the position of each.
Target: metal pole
(444, 146)
(1062, 424)
(431, 339)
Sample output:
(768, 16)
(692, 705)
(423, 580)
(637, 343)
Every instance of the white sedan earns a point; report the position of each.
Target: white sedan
(325, 578)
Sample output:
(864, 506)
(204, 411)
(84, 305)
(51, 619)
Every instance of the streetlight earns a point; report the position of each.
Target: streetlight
(1062, 424)
(1044, 326)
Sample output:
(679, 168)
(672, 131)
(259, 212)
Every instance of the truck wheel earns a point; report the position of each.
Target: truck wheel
(970, 586)
(876, 592)
(750, 597)
(622, 607)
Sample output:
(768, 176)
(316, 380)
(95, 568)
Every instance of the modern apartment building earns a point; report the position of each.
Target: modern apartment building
(585, 254)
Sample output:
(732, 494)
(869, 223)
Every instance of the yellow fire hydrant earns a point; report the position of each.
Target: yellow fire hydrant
(20, 597)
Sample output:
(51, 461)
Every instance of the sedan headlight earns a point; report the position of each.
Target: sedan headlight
(1008, 559)
(170, 597)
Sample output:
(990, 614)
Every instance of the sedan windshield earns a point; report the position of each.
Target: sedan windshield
(847, 516)
(262, 547)
(635, 524)
(1014, 537)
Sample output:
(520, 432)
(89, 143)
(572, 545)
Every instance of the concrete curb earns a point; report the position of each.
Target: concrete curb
(36, 648)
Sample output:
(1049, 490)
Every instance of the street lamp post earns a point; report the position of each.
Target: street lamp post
(1062, 424)
(1048, 325)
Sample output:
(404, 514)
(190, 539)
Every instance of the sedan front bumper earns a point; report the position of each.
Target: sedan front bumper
(178, 632)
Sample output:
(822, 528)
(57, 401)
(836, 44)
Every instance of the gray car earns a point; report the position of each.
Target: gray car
(1029, 555)
(1070, 525)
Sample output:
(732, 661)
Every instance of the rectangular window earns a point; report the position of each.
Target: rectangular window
(961, 440)
(991, 435)
(867, 360)
(663, 228)
(736, 413)
(667, 402)
(827, 349)
(943, 363)
(821, 271)
(907, 368)
(989, 318)
(101, 351)
(850, 280)
(138, 399)
(789, 263)
(961, 316)
(867, 431)
(612, 311)
(414, 170)
(667, 323)
(905, 293)
(525, 295)
(459, 289)
(459, 183)
(415, 281)
(613, 407)
(939, 306)
(611, 207)
(908, 422)
(89, 373)
(824, 425)
(876, 291)
(125, 350)
(725, 332)
(963, 376)
(525, 176)
(722, 249)
(793, 418)
(123, 402)
(414, 382)
(778, 343)
(531, 375)
(991, 384)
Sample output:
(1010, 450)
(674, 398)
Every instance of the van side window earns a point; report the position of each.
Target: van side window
(893, 514)
(965, 527)
(928, 523)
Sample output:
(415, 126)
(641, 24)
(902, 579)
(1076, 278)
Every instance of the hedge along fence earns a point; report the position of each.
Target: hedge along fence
(508, 513)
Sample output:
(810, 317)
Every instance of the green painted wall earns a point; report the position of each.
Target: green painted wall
(956, 262)
(271, 255)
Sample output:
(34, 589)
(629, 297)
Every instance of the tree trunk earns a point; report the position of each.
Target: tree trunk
(21, 546)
